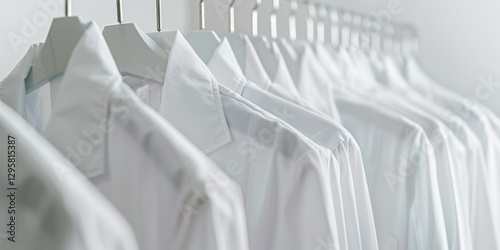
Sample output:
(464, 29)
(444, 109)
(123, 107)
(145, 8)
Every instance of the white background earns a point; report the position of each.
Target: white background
(460, 39)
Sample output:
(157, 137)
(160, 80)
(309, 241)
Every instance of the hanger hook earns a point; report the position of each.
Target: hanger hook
(356, 29)
(334, 26)
(255, 18)
(158, 16)
(67, 8)
(274, 19)
(346, 17)
(292, 20)
(387, 40)
(231, 16)
(119, 11)
(310, 21)
(202, 15)
(321, 14)
(366, 32)
(415, 41)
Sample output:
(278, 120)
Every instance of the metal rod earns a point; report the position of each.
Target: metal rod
(345, 33)
(274, 19)
(310, 22)
(202, 15)
(231, 16)
(158, 16)
(366, 38)
(119, 11)
(255, 18)
(67, 8)
(356, 29)
(292, 20)
(320, 23)
(376, 36)
(334, 27)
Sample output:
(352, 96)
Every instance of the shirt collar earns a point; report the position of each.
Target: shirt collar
(190, 95)
(394, 74)
(270, 51)
(224, 66)
(254, 70)
(352, 71)
(415, 74)
(12, 87)
(303, 63)
(283, 75)
(331, 66)
(81, 105)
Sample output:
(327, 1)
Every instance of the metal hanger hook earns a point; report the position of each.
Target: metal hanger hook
(67, 8)
(119, 11)
(311, 18)
(202, 15)
(346, 30)
(255, 18)
(321, 14)
(158, 16)
(334, 26)
(231, 16)
(292, 20)
(274, 19)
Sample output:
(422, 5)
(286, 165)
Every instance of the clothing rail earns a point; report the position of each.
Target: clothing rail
(347, 28)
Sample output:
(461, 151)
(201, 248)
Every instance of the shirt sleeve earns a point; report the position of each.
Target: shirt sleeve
(427, 226)
(212, 217)
(362, 195)
(308, 203)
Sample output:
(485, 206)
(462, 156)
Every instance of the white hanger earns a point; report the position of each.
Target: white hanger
(135, 53)
(204, 42)
(64, 35)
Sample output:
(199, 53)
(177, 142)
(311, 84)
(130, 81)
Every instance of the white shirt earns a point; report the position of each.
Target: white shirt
(401, 173)
(271, 60)
(486, 224)
(322, 131)
(309, 76)
(172, 195)
(283, 175)
(366, 128)
(255, 72)
(474, 154)
(47, 202)
(493, 118)
(450, 157)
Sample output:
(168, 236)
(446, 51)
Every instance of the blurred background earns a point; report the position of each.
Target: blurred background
(459, 40)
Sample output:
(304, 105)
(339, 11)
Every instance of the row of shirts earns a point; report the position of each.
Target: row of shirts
(261, 145)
